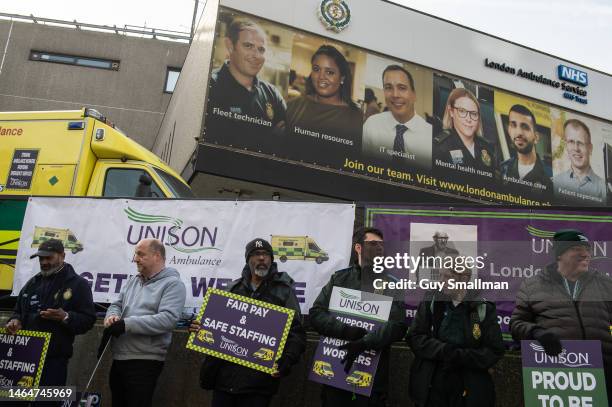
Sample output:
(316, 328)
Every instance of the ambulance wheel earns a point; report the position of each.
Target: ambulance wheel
(283, 259)
(319, 260)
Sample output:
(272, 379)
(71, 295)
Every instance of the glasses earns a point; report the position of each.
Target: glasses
(576, 144)
(374, 243)
(474, 114)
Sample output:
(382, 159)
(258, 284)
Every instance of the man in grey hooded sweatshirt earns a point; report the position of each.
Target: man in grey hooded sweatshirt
(141, 322)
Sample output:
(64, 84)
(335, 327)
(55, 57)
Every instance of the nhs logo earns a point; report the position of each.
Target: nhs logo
(573, 75)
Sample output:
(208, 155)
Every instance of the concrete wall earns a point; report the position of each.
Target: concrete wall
(132, 97)
(182, 124)
(179, 382)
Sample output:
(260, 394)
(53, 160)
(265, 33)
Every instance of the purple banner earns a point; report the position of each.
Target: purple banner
(512, 244)
(242, 330)
(22, 357)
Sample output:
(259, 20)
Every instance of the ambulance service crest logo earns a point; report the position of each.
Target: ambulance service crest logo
(335, 14)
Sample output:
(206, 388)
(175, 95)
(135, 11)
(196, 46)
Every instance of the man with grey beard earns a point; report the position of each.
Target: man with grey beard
(236, 385)
(58, 301)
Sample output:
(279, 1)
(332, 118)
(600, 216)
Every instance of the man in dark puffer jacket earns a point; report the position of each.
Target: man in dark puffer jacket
(566, 301)
(235, 385)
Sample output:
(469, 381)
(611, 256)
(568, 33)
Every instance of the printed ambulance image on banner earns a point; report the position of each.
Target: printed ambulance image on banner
(204, 240)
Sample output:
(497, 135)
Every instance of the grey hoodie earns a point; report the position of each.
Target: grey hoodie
(151, 310)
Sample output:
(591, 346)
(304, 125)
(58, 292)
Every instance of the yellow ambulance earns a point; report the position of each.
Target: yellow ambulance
(72, 153)
(78, 153)
(297, 248)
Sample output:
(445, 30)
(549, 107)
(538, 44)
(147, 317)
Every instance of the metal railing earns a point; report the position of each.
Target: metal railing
(125, 30)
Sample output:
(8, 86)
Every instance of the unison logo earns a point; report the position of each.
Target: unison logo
(573, 75)
(571, 359)
(352, 302)
(233, 346)
(185, 239)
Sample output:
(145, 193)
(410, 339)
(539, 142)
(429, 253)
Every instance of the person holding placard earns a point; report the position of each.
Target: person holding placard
(55, 300)
(566, 301)
(237, 385)
(367, 244)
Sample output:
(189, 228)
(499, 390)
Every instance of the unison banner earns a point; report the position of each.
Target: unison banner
(574, 378)
(507, 246)
(204, 240)
(355, 308)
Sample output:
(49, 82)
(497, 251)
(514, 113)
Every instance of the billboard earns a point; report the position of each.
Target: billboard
(317, 104)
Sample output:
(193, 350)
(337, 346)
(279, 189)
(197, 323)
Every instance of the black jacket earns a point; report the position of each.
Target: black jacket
(65, 290)
(449, 148)
(243, 118)
(276, 288)
(544, 302)
(538, 175)
(381, 339)
(482, 347)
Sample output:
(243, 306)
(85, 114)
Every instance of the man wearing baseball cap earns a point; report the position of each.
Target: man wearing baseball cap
(566, 301)
(236, 385)
(58, 301)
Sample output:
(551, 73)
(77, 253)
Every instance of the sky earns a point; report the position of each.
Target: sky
(576, 30)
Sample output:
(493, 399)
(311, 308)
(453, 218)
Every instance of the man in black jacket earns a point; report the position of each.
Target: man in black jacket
(58, 301)
(455, 338)
(566, 301)
(235, 385)
(367, 243)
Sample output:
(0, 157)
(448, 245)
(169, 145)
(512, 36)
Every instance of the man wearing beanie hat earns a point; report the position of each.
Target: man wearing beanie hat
(566, 301)
(236, 385)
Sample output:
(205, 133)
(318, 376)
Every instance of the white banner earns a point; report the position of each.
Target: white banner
(205, 240)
